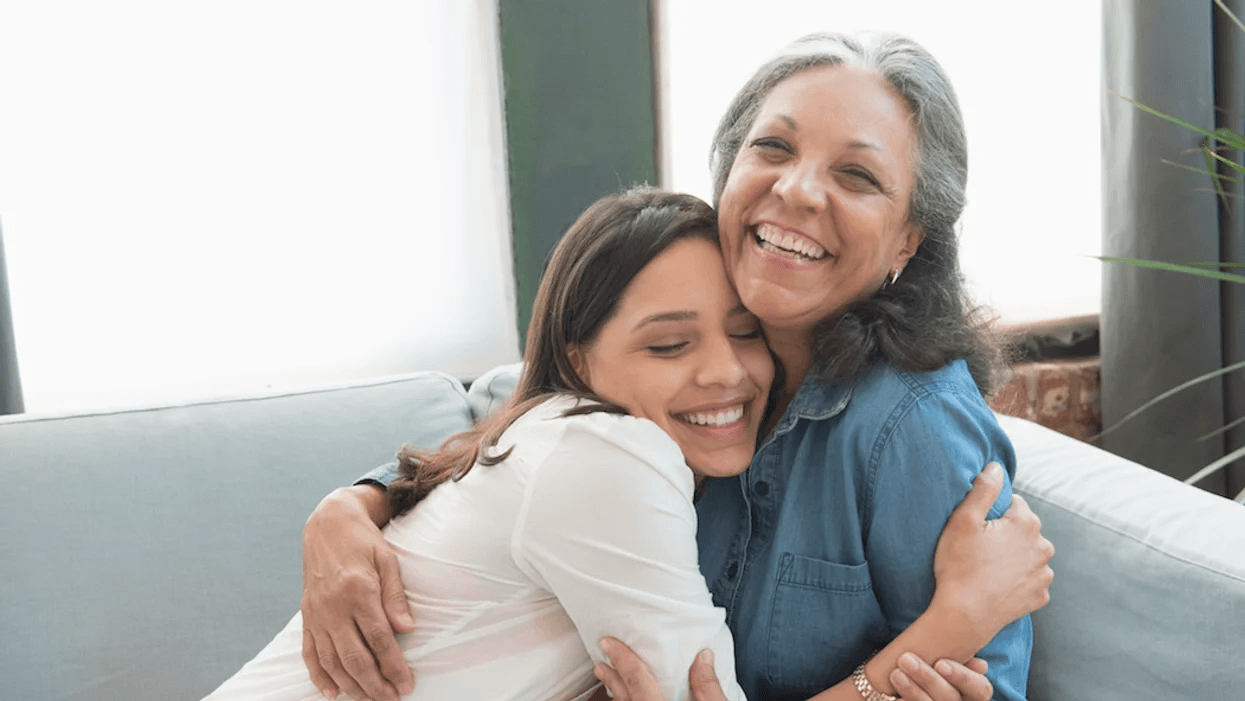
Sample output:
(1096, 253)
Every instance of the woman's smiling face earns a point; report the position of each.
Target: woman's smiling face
(683, 352)
(814, 213)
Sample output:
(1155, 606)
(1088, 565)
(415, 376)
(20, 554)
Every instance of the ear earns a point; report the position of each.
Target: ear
(579, 362)
(912, 235)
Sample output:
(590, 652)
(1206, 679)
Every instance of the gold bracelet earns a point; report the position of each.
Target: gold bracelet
(866, 689)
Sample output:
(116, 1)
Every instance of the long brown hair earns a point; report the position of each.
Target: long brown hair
(590, 269)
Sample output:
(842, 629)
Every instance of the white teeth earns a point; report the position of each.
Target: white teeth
(724, 417)
(774, 239)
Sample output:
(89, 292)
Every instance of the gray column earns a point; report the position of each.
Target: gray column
(10, 380)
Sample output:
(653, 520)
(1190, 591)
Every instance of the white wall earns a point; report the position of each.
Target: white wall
(1028, 81)
(203, 199)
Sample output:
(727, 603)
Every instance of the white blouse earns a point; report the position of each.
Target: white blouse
(516, 571)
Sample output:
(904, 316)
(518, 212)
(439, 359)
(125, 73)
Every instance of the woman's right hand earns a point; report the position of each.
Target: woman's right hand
(353, 599)
(992, 572)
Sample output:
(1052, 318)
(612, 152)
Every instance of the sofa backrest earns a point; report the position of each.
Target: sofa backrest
(148, 554)
(1148, 600)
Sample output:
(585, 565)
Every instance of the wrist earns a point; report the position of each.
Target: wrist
(362, 502)
(964, 629)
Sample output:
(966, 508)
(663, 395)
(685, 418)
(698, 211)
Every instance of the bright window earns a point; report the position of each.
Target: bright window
(204, 199)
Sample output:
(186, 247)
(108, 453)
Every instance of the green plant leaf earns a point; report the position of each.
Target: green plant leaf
(1228, 12)
(1209, 164)
(1222, 429)
(1161, 115)
(1230, 163)
(1214, 466)
(1177, 268)
(1230, 138)
(1178, 388)
(1215, 265)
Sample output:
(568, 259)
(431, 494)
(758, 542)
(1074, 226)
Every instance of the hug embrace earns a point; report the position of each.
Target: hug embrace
(744, 458)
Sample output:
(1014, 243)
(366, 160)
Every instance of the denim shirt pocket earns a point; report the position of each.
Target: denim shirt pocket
(825, 620)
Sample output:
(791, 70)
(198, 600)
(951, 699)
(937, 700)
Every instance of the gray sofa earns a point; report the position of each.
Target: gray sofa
(147, 554)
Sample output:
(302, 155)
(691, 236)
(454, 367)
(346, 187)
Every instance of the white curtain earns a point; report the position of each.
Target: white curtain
(205, 199)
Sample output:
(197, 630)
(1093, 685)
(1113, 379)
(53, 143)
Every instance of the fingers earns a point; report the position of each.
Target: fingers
(985, 491)
(637, 682)
(326, 658)
(393, 595)
(915, 680)
(380, 637)
(359, 662)
(612, 680)
(319, 677)
(978, 665)
(702, 679)
(970, 684)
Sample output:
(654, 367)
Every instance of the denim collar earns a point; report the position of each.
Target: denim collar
(815, 401)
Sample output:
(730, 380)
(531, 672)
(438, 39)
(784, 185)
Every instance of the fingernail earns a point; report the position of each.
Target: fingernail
(705, 657)
(329, 694)
(943, 667)
(596, 672)
(604, 645)
(992, 473)
(406, 688)
(899, 680)
(907, 662)
(405, 619)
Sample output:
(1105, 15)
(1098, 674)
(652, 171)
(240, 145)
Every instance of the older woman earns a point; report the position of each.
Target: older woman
(840, 170)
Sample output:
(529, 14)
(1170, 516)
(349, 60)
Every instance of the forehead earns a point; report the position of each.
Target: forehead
(853, 96)
(682, 274)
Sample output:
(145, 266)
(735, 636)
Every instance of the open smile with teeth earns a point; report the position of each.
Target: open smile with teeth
(775, 240)
(721, 417)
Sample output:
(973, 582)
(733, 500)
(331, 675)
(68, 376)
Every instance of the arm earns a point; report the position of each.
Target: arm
(925, 462)
(1010, 551)
(609, 528)
(352, 595)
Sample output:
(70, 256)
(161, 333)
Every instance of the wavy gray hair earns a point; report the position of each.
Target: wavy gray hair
(926, 320)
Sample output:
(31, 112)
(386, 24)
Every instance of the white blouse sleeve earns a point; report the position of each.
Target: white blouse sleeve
(608, 527)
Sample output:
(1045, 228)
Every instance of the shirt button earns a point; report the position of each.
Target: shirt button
(732, 570)
(762, 488)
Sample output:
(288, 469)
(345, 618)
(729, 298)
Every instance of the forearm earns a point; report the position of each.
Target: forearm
(938, 633)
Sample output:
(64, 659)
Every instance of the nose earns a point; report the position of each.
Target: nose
(721, 365)
(802, 187)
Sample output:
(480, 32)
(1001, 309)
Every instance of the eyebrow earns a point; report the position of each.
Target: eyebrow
(791, 124)
(664, 316)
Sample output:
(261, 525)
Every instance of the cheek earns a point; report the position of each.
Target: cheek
(760, 367)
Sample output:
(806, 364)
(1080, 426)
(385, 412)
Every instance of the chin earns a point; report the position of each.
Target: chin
(722, 467)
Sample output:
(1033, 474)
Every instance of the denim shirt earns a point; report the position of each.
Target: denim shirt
(822, 552)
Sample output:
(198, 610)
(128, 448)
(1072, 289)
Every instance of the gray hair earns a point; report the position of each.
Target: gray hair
(925, 320)
(942, 157)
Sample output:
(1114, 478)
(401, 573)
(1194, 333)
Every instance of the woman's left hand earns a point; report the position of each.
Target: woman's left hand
(630, 679)
(917, 681)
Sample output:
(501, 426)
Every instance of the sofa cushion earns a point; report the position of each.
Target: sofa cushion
(148, 554)
(1148, 600)
(490, 390)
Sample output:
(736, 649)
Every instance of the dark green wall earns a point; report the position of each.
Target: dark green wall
(580, 116)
